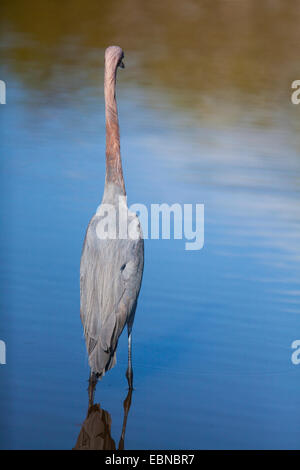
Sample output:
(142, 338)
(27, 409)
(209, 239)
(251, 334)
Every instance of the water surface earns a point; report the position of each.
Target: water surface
(206, 117)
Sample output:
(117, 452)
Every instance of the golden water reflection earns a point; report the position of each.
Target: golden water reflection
(95, 432)
(198, 51)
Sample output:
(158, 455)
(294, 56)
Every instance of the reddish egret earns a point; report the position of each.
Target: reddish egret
(111, 268)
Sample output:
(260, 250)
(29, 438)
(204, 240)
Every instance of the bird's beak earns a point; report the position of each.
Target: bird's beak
(122, 65)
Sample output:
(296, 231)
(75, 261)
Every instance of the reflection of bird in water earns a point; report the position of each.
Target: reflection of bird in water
(95, 433)
(111, 268)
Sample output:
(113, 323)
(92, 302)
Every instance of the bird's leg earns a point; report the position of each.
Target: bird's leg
(92, 386)
(126, 404)
(129, 372)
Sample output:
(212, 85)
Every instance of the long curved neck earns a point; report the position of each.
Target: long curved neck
(114, 172)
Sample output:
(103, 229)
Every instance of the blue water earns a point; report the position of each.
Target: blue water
(213, 329)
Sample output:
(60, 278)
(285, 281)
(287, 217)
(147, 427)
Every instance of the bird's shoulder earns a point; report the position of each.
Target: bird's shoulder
(113, 245)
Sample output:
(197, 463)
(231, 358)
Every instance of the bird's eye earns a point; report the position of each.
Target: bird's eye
(123, 267)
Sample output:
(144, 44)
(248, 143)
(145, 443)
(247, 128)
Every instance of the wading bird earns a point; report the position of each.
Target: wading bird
(111, 267)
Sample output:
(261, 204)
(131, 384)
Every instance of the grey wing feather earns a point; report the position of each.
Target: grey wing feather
(110, 279)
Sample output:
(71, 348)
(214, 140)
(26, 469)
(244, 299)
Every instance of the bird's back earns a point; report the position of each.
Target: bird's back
(110, 279)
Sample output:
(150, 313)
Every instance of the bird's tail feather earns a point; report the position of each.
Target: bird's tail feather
(101, 361)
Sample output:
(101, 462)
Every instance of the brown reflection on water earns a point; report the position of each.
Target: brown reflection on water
(225, 47)
(95, 432)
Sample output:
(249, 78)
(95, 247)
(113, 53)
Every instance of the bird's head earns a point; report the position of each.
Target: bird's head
(114, 56)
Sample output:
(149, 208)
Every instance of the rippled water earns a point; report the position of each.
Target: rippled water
(204, 119)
